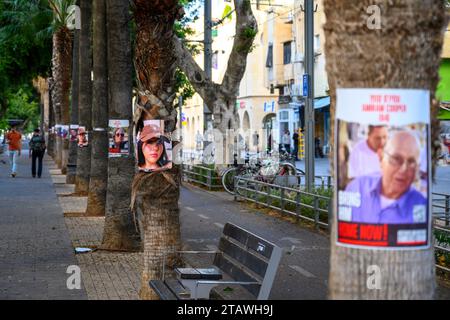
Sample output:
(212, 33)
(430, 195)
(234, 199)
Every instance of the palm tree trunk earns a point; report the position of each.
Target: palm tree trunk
(156, 194)
(62, 68)
(404, 53)
(73, 148)
(120, 232)
(99, 154)
(51, 122)
(85, 97)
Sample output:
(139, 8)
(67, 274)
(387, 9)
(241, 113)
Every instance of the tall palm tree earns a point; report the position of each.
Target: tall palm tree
(157, 194)
(120, 232)
(99, 141)
(158, 52)
(403, 53)
(61, 73)
(73, 147)
(85, 97)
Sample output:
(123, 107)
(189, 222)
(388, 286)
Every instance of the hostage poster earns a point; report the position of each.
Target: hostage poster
(154, 147)
(383, 168)
(119, 145)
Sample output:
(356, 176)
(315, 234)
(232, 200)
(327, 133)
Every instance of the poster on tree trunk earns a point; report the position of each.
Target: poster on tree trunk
(154, 147)
(119, 145)
(65, 132)
(382, 168)
(73, 132)
(83, 140)
(58, 130)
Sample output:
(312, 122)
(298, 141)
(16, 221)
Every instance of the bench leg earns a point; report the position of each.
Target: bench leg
(198, 292)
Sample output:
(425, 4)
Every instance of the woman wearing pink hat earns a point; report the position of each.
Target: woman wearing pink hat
(152, 154)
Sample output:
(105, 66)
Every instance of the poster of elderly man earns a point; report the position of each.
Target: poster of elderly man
(382, 166)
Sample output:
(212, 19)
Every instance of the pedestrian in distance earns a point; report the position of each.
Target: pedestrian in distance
(37, 151)
(287, 141)
(14, 141)
(318, 148)
(295, 138)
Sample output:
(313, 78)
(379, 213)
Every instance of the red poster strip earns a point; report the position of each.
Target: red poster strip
(364, 243)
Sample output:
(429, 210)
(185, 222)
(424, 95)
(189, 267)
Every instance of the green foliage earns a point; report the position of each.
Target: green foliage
(183, 86)
(25, 47)
(25, 40)
(227, 13)
(183, 31)
(61, 13)
(22, 104)
(443, 240)
(249, 33)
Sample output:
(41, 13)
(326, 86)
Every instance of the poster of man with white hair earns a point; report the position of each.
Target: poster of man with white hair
(382, 168)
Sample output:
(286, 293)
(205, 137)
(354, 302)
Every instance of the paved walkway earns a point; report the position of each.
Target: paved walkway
(35, 249)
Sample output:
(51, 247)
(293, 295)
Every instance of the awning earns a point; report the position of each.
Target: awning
(318, 103)
(321, 102)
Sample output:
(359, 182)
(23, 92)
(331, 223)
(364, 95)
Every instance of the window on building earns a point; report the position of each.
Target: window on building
(287, 52)
(284, 115)
(269, 61)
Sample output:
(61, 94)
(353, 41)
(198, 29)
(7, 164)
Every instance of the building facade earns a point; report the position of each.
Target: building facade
(270, 97)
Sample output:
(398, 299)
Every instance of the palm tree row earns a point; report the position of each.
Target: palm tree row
(108, 181)
(114, 186)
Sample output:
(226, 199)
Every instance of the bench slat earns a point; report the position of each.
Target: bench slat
(250, 240)
(248, 259)
(162, 290)
(199, 273)
(237, 273)
(177, 288)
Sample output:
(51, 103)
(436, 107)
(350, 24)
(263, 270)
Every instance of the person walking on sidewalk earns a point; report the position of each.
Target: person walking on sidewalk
(37, 151)
(14, 141)
(295, 138)
(287, 141)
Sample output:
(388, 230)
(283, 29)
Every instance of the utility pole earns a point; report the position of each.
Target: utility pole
(180, 106)
(309, 101)
(207, 42)
(207, 55)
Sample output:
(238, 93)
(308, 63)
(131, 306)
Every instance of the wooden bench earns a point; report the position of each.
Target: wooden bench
(249, 260)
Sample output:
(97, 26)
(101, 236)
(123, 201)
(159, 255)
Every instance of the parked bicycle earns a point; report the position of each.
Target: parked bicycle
(266, 171)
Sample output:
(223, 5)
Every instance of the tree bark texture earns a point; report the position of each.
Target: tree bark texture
(155, 201)
(155, 60)
(73, 147)
(61, 76)
(51, 122)
(99, 155)
(404, 53)
(120, 232)
(85, 97)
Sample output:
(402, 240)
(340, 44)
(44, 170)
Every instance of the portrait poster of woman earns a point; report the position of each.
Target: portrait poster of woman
(118, 138)
(73, 132)
(154, 147)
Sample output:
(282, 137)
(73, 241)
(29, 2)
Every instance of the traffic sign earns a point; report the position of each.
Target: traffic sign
(305, 85)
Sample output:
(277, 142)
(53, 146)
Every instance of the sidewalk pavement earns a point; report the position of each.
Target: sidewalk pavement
(35, 248)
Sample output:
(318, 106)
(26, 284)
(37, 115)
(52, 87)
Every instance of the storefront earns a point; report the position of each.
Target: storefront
(321, 120)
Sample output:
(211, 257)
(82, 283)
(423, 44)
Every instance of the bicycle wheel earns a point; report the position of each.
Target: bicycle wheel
(287, 168)
(228, 179)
